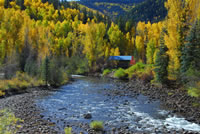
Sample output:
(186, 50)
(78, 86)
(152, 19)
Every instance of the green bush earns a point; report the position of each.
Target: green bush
(190, 76)
(113, 70)
(135, 69)
(191, 80)
(106, 72)
(194, 92)
(68, 130)
(120, 73)
(8, 122)
(97, 125)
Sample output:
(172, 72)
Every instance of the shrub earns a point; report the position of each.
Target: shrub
(8, 122)
(2, 93)
(147, 77)
(194, 92)
(113, 70)
(135, 69)
(191, 80)
(97, 125)
(68, 130)
(190, 75)
(20, 81)
(106, 72)
(120, 73)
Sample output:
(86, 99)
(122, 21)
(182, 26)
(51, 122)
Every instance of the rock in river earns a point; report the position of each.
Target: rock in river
(87, 116)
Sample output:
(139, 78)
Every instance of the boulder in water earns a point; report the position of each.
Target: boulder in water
(87, 116)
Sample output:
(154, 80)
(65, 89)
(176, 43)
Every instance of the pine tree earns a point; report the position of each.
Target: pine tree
(162, 61)
(46, 70)
(44, 1)
(191, 50)
(21, 4)
(25, 52)
(6, 3)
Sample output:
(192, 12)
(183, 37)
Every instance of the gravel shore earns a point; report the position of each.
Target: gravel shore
(24, 107)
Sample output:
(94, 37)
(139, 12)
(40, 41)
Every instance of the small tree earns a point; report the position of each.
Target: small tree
(25, 52)
(191, 50)
(161, 63)
(46, 70)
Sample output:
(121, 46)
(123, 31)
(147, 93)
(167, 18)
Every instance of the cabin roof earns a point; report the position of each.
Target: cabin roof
(120, 57)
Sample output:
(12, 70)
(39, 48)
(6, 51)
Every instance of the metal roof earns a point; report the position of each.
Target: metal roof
(120, 57)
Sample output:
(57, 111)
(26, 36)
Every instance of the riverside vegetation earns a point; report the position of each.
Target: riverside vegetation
(42, 42)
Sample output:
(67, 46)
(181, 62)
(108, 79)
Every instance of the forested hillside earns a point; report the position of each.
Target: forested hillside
(149, 10)
(42, 39)
(138, 10)
(43, 42)
(111, 8)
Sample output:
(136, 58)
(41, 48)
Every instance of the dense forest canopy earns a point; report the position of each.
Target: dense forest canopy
(41, 36)
(149, 10)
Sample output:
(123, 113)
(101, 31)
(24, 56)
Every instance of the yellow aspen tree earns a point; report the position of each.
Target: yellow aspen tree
(175, 8)
(141, 39)
(139, 42)
(130, 44)
(116, 38)
(94, 42)
(194, 9)
(107, 52)
(117, 53)
(150, 51)
(1, 3)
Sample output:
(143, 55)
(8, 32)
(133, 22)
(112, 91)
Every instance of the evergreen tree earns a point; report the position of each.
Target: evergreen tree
(21, 4)
(46, 70)
(25, 52)
(44, 1)
(7, 3)
(54, 2)
(191, 50)
(161, 63)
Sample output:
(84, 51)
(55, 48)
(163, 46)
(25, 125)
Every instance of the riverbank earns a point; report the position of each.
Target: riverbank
(175, 99)
(24, 107)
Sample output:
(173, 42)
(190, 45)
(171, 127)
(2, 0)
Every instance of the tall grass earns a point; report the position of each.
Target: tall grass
(19, 82)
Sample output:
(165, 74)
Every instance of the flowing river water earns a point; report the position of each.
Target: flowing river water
(89, 95)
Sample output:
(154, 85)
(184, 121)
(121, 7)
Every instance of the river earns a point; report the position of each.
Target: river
(68, 105)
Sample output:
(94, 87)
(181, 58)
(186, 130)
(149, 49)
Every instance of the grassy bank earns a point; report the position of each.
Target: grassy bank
(20, 82)
(139, 70)
(189, 81)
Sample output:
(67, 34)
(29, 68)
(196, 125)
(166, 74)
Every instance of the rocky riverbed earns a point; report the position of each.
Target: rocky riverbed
(175, 99)
(24, 107)
(43, 112)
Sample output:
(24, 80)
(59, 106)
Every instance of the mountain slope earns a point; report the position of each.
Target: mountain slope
(137, 10)
(149, 10)
(111, 8)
